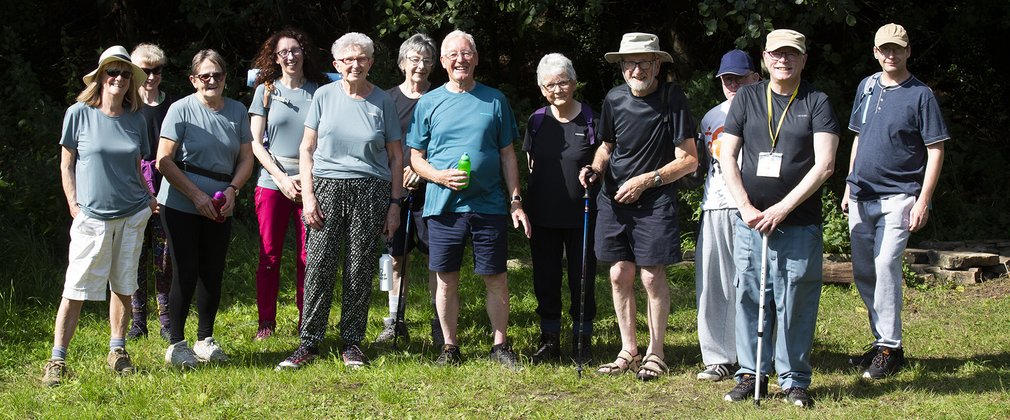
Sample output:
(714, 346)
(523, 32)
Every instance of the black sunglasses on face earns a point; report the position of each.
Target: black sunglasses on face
(113, 73)
(205, 77)
(156, 70)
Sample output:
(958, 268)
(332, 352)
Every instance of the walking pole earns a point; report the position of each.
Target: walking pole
(761, 317)
(401, 304)
(582, 294)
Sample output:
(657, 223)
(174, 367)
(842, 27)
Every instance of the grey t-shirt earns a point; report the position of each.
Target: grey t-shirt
(108, 185)
(285, 124)
(352, 133)
(207, 139)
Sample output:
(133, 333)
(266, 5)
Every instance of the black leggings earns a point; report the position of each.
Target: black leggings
(546, 248)
(198, 246)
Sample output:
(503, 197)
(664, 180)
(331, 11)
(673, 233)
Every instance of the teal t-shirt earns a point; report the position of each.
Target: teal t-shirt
(285, 124)
(352, 133)
(479, 123)
(108, 185)
(207, 139)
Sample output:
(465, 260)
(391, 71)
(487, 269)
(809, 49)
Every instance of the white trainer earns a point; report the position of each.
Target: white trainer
(179, 354)
(207, 350)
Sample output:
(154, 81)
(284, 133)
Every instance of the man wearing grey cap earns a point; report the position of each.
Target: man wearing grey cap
(714, 270)
(895, 163)
(786, 134)
(648, 142)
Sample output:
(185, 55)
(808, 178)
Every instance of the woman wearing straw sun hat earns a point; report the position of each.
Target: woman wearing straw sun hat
(103, 139)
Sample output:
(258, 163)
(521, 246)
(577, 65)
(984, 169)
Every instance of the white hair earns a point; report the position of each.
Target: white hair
(353, 39)
(459, 34)
(553, 64)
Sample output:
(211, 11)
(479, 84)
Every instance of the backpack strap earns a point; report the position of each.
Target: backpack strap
(868, 94)
(536, 120)
(587, 114)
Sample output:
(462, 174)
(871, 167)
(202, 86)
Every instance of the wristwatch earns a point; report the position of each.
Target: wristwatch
(518, 198)
(656, 179)
(394, 201)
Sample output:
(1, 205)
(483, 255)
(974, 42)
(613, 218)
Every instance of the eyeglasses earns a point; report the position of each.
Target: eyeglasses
(778, 55)
(416, 60)
(889, 50)
(645, 65)
(452, 55)
(734, 80)
(294, 52)
(155, 71)
(350, 60)
(205, 77)
(559, 85)
(114, 73)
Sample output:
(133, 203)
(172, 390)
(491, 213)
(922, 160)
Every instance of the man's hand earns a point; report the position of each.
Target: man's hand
(750, 215)
(411, 180)
(772, 217)
(629, 192)
(452, 179)
(919, 216)
(588, 176)
(519, 217)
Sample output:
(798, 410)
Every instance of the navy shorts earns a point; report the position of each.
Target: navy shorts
(400, 244)
(447, 234)
(644, 236)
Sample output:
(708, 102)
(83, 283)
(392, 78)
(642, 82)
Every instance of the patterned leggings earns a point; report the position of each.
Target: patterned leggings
(156, 245)
(353, 212)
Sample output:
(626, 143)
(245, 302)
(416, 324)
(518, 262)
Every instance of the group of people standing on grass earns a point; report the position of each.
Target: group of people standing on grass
(351, 162)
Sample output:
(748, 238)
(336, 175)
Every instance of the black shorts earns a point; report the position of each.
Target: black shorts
(448, 233)
(644, 236)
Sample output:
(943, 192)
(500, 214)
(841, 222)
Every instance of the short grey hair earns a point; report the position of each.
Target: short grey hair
(459, 34)
(148, 54)
(553, 64)
(207, 55)
(353, 39)
(418, 43)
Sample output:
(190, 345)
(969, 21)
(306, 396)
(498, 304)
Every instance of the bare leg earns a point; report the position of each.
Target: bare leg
(622, 282)
(498, 305)
(398, 276)
(66, 321)
(447, 302)
(118, 320)
(658, 291)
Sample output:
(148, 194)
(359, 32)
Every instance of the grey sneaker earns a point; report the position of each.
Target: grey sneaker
(450, 356)
(119, 361)
(207, 350)
(179, 354)
(716, 373)
(503, 354)
(53, 372)
(798, 396)
(391, 330)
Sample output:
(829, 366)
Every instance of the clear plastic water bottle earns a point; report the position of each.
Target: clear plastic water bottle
(218, 201)
(385, 272)
(464, 165)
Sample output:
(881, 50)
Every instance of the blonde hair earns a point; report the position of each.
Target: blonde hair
(92, 94)
(148, 54)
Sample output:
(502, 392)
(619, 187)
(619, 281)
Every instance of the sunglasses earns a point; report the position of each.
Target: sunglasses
(114, 73)
(156, 70)
(205, 77)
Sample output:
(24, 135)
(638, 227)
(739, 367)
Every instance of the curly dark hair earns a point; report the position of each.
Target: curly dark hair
(270, 70)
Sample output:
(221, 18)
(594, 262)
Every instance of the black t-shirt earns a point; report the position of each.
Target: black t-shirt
(809, 113)
(154, 115)
(559, 151)
(645, 138)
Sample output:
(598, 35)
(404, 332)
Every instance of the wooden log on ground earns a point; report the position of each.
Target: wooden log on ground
(837, 272)
(952, 260)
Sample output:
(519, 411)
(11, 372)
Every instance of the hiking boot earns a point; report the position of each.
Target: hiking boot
(302, 356)
(864, 360)
(550, 348)
(166, 334)
(437, 340)
(53, 372)
(137, 330)
(207, 350)
(119, 361)
(716, 373)
(450, 355)
(263, 333)
(586, 355)
(391, 330)
(179, 354)
(887, 362)
(744, 389)
(503, 354)
(798, 396)
(353, 357)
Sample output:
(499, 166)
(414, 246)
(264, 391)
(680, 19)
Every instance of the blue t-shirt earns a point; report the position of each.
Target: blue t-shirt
(479, 123)
(285, 124)
(207, 139)
(352, 133)
(900, 121)
(108, 185)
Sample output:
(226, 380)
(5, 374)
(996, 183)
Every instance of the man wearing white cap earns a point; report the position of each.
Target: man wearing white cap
(895, 163)
(715, 273)
(786, 135)
(648, 143)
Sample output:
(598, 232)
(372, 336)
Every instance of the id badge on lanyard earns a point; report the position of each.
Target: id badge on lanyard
(770, 163)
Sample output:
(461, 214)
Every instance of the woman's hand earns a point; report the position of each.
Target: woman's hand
(311, 213)
(205, 206)
(392, 221)
(290, 186)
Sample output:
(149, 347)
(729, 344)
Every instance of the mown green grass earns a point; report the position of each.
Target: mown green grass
(956, 340)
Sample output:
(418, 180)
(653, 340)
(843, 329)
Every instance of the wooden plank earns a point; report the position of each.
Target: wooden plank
(953, 260)
(916, 256)
(837, 272)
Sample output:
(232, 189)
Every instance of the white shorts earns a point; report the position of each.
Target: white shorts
(104, 252)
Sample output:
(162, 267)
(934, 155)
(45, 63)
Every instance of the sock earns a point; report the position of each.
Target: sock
(117, 342)
(59, 352)
(394, 305)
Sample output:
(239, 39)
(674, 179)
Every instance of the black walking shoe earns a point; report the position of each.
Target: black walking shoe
(798, 396)
(137, 330)
(550, 348)
(449, 356)
(436, 334)
(887, 362)
(864, 360)
(744, 390)
(585, 356)
(503, 354)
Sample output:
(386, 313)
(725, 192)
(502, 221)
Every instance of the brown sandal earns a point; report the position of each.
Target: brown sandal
(652, 367)
(613, 368)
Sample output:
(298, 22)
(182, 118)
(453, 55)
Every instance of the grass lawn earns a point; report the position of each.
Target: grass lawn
(957, 343)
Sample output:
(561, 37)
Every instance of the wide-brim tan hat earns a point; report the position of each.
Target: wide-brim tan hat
(638, 43)
(117, 53)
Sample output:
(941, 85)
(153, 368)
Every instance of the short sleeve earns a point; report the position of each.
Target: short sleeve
(527, 139)
(419, 133)
(509, 131)
(174, 126)
(823, 116)
(736, 117)
(245, 133)
(315, 111)
(681, 117)
(256, 107)
(931, 127)
(71, 122)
